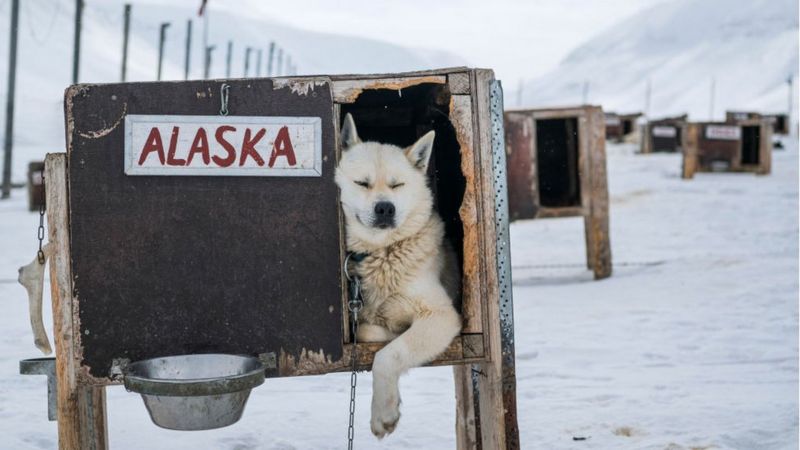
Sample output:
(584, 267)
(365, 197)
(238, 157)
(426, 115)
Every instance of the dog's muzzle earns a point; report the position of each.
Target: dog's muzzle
(384, 215)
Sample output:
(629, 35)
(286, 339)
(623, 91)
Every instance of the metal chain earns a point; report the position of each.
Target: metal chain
(354, 304)
(40, 232)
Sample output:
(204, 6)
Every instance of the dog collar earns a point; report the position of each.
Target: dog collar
(358, 257)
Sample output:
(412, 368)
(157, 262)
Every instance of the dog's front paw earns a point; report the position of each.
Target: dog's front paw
(385, 415)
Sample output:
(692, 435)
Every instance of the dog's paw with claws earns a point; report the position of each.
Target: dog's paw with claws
(385, 415)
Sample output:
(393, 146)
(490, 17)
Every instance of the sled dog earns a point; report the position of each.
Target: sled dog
(409, 274)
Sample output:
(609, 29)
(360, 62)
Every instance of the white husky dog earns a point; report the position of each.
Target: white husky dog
(409, 275)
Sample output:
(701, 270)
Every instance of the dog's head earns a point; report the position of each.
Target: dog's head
(384, 190)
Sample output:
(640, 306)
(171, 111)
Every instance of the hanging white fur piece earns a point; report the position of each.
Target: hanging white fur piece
(31, 277)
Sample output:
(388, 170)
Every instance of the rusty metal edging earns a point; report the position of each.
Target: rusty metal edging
(504, 265)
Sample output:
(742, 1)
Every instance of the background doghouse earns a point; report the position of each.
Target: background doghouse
(557, 168)
(779, 121)
(664, 135)
(156, 265)
(745, 146)
(619, 126)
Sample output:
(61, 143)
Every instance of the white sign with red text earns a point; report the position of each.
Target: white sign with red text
(223, 146)
(724, 132)
(662, 131)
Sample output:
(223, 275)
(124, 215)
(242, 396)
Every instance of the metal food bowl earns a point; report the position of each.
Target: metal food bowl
(194, 392)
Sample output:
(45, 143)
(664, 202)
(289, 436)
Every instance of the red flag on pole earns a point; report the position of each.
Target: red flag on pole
(202, 8)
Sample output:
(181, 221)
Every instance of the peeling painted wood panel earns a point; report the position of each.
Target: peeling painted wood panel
(347, 91)
(172, 265)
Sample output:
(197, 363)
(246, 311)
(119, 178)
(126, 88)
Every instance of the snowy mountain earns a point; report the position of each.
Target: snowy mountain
(746, 49)
(45, 56)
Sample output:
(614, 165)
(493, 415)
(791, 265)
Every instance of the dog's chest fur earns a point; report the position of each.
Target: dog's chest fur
(392, 276)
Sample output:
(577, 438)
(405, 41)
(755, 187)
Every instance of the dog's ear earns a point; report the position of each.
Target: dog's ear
(349, 136)
(420, 153)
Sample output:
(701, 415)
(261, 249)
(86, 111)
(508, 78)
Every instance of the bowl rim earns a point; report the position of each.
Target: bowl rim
(193, 387)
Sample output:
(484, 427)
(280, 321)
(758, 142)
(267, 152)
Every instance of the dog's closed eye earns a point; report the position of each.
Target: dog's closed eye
(362, 183)
(396, 185)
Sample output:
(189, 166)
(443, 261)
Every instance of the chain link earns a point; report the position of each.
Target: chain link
(354, 304)
(40, 231)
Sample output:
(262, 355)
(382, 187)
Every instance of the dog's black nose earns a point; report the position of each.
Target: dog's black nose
(384, 214)
(384, 210)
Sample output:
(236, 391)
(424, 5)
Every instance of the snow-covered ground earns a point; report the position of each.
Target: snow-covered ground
(693, 342)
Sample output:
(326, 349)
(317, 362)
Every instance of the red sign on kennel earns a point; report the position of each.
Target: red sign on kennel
(724, 132)
(223, 146)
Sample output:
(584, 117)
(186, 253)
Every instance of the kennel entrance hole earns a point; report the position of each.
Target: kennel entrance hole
(627, 127)
(557, 162)
(751, 137)
(400, 117)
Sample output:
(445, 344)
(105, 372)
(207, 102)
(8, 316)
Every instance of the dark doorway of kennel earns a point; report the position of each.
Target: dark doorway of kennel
(666, 143)
(400, 117)
(751, 143)
(627, 126)
(557, 155)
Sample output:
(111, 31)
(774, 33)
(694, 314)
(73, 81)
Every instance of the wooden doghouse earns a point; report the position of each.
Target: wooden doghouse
(664, 135)
(557, 168)
(619, 126)
(745, 146)
(151, 263)
(779, 121)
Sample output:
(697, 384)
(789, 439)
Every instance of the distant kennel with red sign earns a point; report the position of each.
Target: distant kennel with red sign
(557, 168)
(665, 135)
(745, 146)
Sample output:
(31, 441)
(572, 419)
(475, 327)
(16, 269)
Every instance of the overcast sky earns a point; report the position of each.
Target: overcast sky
(517, 38)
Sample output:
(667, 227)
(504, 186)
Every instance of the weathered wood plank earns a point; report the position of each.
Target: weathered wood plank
(348, 90)
(598, 241)
(691, 141)
(497, 416)
(80, 409)
(459, 83)
(466, 436)
(313, 363)
(461, 118)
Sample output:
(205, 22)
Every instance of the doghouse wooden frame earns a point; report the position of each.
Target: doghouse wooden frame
(483, 355)
(617, 132)
(739, 116)
(647, 144)
(524, 199)
(695, 141)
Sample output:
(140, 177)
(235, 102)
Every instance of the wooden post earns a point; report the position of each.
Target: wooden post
(126, 29)
(496, 416)
(80, 409)
(598, 245)
(187, 59)
(466, 436)
(162, 36)
(765, 148)
(76, 43)
(691, 141)
(8, 139)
